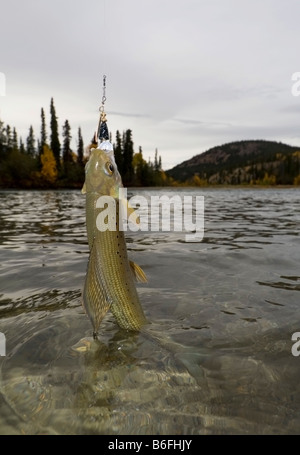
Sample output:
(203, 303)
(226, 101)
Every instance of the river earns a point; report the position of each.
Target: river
(217, 356)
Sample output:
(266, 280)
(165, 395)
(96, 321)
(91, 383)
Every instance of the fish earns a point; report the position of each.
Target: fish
(110, 276)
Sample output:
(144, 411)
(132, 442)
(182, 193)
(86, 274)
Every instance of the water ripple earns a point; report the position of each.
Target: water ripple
(216, 357)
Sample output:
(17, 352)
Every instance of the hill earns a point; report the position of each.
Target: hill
(242, 162)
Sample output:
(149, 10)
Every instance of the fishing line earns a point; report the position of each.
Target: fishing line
(102, 130)
(104, 35)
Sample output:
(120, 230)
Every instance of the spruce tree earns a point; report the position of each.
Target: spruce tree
(8, 139)
(159, 164)
(67, 152)
(54, 139)
(22, 147)
(128, 172)
(157, 169)
(2, 141)
(119, 152)
(80, 148)
(15, 140)
(156, 162)
(30, 141)
(43, 140)
(43, 129)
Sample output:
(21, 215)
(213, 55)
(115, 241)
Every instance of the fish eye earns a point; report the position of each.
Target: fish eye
(109, 168)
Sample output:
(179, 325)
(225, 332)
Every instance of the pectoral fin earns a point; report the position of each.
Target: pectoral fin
(138, 273)
(83, 191)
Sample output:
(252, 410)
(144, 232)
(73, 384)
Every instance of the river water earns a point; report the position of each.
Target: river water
(217, 356)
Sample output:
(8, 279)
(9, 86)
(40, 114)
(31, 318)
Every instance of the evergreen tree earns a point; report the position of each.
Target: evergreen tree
(156, 165)
(157, 170)
(67, 152)
(15, 140)
(54, 139)
(80, 148)
(30, 141)
(119, 152)
(22, 147)
(42, 169)
(43, 129)
(3, 142)
(128, 172)
(43, 138)
(157, 162)
(8, 138)
(2, 133)
(142, 171)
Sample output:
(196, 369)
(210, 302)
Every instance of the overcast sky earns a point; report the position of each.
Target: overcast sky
(183, 75)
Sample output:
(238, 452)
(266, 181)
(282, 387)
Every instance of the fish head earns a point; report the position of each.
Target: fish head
(101, 174)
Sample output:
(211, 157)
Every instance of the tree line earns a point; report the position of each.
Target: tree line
(48, 162)
(246, 162)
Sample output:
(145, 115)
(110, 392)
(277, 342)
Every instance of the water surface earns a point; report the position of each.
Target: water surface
(216, 358)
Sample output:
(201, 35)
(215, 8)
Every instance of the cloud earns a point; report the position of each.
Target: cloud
(201, 123)
(183, 75)
(129, 114)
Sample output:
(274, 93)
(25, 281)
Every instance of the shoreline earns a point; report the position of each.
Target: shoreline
(168, 188)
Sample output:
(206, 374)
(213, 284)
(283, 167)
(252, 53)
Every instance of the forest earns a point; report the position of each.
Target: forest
(49, 162)
(246, 162)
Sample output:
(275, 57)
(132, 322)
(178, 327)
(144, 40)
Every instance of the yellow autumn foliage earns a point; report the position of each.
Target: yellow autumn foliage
(267, 180)
(197, 181)
(49, 170)
(297, 180)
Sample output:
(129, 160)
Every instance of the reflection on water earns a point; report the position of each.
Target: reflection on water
(216, 357)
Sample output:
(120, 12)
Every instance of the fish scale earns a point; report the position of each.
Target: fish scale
(109, 280)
